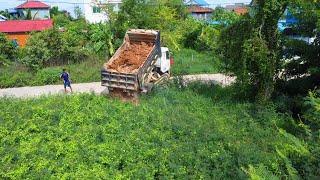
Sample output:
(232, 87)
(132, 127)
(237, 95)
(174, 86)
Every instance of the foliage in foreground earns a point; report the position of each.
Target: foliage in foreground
(174, 133)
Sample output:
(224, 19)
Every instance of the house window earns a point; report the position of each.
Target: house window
(96, 9)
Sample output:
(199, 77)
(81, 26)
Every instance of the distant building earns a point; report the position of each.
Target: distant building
(19, 30)
(199, 9)
(238, 8)
(286, 24)
(200, 13)
(95, 11)
(286, 21)
(38, 10)
(2, 18)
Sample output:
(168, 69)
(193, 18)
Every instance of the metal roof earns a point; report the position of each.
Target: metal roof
(15, 26)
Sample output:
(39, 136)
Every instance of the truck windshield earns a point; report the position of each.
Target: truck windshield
(167, 55)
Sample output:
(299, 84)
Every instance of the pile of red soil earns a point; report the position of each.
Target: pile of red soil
(132, 56)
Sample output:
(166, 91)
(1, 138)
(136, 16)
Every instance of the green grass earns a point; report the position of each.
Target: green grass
(17, 75)
(188, 61)
(196, 133)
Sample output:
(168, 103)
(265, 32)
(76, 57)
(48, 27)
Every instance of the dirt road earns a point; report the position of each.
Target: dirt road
(95, 87)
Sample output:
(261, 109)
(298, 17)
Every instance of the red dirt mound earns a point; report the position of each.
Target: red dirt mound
(133, 55)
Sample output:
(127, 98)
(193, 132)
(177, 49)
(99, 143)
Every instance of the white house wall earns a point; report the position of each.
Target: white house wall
(92, 17)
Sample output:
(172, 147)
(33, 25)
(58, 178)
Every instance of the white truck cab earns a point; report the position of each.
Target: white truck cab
(163, 62)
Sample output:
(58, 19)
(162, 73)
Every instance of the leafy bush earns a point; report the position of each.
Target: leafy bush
(51, 48)
(3, 60)
(61, 20)
(7, 50)
(36, 53)
(312, 114)
(199, 35)
(101, 39)
(76, 33)
(224, 17)
(47, 76)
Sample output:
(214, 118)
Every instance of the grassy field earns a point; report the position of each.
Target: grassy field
(18, 75)
(196, 133)
(188, 61)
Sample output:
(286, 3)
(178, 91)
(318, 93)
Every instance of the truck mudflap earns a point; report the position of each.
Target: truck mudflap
(119, 80)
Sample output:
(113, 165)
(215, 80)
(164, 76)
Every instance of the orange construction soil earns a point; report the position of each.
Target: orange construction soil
(133, 55)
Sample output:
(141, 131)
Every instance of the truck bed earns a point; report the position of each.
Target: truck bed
(135, 57)
(132, 55)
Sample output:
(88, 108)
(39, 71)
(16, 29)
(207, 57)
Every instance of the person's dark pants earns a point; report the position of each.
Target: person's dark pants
(67, 84)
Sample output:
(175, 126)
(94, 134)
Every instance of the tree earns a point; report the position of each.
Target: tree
(7, 50)
(101, 39)
(260, 26)
(5, 14)
(28, 16)
(224, 17)
(37, 53)
(78, 12)
(163, 15)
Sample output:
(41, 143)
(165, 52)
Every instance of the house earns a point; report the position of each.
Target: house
(238, 8)
(241, 10)
(19, 30)
(94, 10)
(199, 9)
(2, 18)
(286, 21)
(200, 13)
(286, 24)
(38, 10)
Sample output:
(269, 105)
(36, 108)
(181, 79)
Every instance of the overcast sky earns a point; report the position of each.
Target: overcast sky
(67, 4)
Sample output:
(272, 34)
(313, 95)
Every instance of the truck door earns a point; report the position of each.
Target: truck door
(165, 60)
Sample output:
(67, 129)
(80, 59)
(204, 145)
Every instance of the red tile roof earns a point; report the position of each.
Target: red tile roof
(241, 10)
(33, 4)
(199, 9)
(15, 26)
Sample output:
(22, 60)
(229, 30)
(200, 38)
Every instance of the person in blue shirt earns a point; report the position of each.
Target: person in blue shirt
(66, 80)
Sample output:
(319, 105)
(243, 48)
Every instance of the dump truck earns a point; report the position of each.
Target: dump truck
(138, 64)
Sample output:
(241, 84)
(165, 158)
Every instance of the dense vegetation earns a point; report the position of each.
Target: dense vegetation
(7, 51)
(198, 132)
